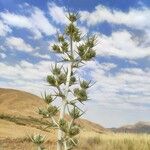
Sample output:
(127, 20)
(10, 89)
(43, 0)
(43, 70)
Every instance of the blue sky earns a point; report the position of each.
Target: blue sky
(121, 69)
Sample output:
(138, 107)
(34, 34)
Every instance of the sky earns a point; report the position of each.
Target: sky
(121, 70)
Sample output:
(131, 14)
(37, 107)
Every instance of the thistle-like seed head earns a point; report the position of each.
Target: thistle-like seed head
(74, 130)
(37, 139)
(80, 94)
(75, 113)
(73, 17)
(48, 99)
(63, 125)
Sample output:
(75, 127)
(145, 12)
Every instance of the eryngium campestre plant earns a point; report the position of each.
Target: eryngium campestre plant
(75, 51)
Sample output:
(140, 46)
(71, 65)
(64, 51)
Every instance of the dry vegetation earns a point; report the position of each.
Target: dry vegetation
(115, 142)
(88, 141)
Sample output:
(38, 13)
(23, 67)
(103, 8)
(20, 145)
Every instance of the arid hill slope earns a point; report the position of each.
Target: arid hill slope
(16, 102)
(18, 111)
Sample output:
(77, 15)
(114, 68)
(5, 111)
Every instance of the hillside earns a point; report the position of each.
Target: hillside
(18, 103)
(139, 127)
(18, 111)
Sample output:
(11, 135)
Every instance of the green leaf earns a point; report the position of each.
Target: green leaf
(61, 79)
(64, 46)
(63, 125)
(74, 130)
(80, 94)
(52, 110)
(61, 38)
(73, 17)
(73, 32)
(56, 70)
(84, 84)
(48, 98)
(72, 80)
(91, 42)
(37, 139)
(51, 80)
(56, 48)
(89, 55)
(75, 113)
(81, 50)
(43, 112)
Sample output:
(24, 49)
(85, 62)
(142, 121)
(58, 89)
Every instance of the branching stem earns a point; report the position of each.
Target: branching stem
(64, 102)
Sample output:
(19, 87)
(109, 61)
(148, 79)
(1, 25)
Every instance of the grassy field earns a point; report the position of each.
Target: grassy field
(88, 141)
(115, 142)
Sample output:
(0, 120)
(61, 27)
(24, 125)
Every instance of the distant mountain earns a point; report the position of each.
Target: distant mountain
(139, 127)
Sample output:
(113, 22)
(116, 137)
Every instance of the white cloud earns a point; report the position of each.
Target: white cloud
(122, 90)
(26, 64)
(98, 66)
(57, 13)
(126, 89)
(12, 19)
(25, 76)
(2, 48)
(4, 29)
(44, 56)
(37, 22)
(18, 44)
(3, 55)
(136, 18)
(84, 30)
(26, 71)
(121, 44)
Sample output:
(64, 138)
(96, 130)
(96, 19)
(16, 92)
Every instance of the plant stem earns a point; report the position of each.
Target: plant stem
(63, 108)
(39, 148)
(64, 103)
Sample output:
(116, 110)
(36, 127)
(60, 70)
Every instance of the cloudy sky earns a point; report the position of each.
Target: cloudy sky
(121, 69)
